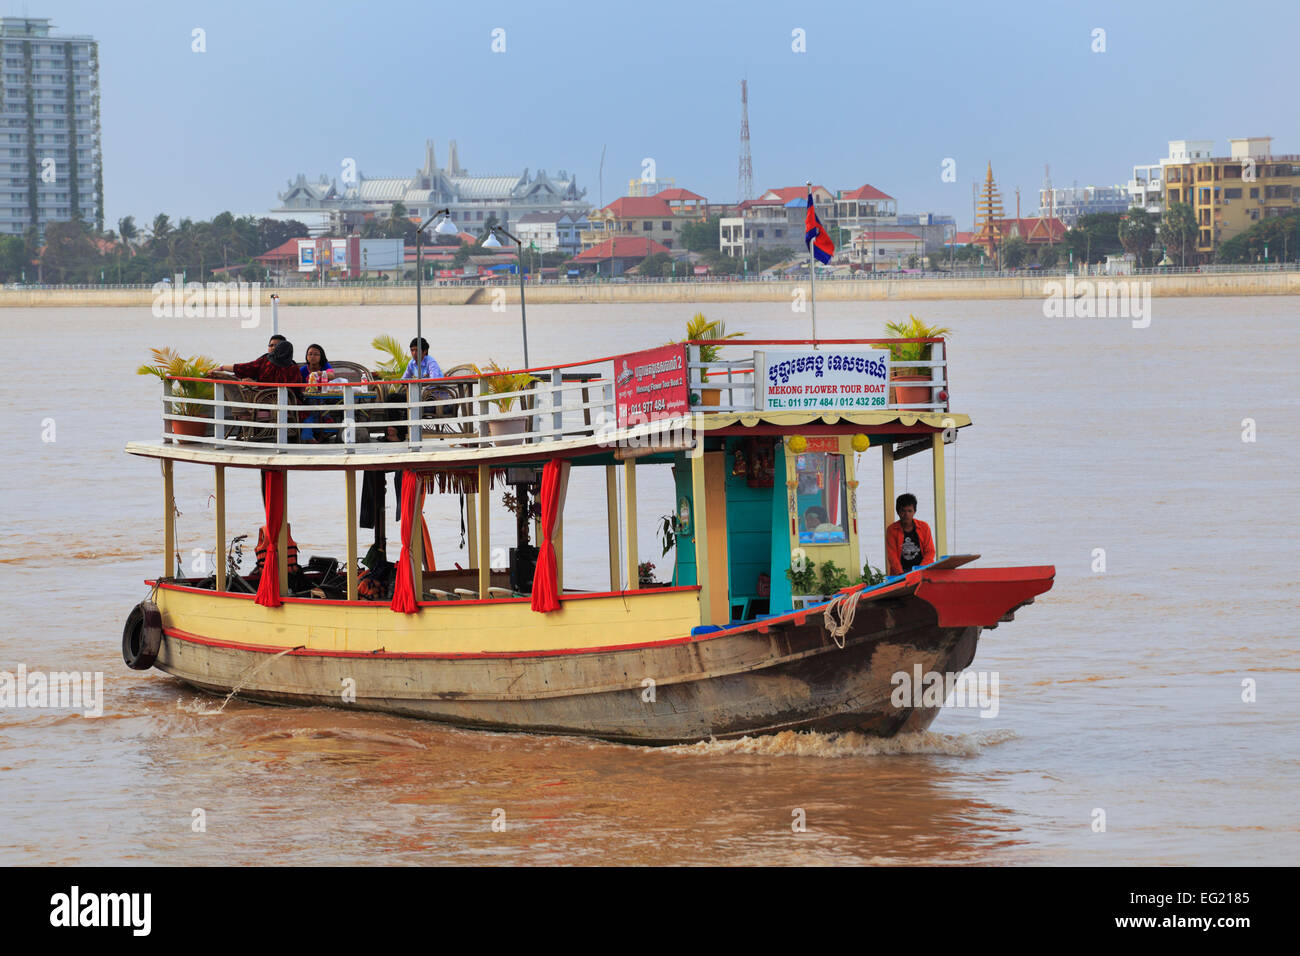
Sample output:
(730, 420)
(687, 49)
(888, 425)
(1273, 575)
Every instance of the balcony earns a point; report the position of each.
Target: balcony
(570, 404)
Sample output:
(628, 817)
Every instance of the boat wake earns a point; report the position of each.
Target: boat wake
(792, 743)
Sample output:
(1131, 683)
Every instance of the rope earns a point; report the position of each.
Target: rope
(848, 604)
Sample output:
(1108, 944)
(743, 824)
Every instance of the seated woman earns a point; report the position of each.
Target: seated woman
(316, 371)
(315, 364)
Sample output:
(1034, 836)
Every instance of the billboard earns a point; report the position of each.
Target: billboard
(827, 378)
(651, 385)
(306, 255)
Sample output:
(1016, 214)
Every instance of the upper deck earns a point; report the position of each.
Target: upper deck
(639, 403)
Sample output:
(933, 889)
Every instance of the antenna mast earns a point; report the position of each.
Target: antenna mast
(745, 186)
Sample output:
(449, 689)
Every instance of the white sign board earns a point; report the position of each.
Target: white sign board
(819, 379)
(306, 255)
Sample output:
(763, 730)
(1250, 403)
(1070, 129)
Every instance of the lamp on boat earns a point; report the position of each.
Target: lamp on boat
(493, 241)
(444, 228)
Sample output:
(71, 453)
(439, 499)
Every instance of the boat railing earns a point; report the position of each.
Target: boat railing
(436, 414)
(467, 412)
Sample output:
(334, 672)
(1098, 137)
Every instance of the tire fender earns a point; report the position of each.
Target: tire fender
(142, 636)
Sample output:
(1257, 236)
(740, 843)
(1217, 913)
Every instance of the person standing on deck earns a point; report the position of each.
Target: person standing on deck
(908, 542)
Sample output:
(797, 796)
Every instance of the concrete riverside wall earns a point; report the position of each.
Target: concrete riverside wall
(843, 290)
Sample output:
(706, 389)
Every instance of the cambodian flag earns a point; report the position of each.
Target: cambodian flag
(814, 236)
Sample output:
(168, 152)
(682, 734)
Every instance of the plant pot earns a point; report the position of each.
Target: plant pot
(504, 431)
(191, 429)
(711, 396)
(910, 394)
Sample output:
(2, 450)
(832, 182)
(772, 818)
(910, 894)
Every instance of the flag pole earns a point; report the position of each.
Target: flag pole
(812, 279)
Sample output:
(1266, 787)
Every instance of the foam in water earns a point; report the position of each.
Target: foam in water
(790, 743)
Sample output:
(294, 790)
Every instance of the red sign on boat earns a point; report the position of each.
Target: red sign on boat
(651, 385)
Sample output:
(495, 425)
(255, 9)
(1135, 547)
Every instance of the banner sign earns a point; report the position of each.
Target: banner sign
(651, 385)
(826, 378)
(306, 255)
(340, 254)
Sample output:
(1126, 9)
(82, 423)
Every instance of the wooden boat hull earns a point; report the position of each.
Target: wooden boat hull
(784, 673)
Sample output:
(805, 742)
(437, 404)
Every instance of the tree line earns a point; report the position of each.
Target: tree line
(75, 252)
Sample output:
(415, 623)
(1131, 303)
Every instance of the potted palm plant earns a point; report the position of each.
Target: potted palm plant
(496, 381)
(912, 352)
(700, 329)
(169, 365)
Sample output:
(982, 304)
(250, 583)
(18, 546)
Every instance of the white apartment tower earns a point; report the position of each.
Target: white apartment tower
(51, 167)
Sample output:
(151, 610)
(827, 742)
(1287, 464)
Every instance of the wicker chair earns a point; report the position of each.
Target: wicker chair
(448, 417)
(255, 424)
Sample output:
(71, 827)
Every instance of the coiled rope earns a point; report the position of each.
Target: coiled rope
(848, 608)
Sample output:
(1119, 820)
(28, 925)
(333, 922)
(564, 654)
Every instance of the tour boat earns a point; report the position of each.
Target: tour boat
(764, 449)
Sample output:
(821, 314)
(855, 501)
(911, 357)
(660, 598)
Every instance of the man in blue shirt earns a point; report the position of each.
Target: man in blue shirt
(422, 364)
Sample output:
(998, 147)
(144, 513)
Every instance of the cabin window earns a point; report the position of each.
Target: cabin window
(822, 498)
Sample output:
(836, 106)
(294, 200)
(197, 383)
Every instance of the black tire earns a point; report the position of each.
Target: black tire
(142, 636)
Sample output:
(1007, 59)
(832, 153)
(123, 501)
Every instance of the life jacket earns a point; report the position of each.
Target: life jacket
(261, 551)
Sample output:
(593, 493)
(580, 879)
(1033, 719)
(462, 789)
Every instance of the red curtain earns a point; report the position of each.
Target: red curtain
(268, 588)
(545, 596)
(404, 599)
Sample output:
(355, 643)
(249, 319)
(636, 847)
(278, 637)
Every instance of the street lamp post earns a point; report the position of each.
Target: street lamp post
(493, 242)
(444, 228)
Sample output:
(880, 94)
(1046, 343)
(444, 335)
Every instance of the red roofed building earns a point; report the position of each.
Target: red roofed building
(762, 224)
(864, 207)
(615, 256)
(683, 202)
(648, 217)
(821, 196)
(1033, 229)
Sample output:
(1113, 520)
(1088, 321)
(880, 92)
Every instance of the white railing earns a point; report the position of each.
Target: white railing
(463, 413)
(435, 414)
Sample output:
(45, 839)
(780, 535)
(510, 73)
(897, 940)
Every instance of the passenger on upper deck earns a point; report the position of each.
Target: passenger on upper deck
(315, 362)
(275, 367)
(422, 364)
(908, 542)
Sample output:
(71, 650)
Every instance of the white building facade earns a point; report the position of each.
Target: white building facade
(326, 205)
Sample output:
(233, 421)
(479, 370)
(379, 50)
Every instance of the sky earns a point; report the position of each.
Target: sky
(879, 94)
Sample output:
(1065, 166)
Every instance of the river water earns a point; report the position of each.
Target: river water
(1120, 691)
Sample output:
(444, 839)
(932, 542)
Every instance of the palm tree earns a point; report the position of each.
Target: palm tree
(126, 228)
(160, 233)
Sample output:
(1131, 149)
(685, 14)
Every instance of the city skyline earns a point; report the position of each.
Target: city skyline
(883, 97)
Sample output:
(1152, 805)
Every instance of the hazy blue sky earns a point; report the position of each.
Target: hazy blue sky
(882, 95)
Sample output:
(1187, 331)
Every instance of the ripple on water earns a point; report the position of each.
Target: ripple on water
(790, 743)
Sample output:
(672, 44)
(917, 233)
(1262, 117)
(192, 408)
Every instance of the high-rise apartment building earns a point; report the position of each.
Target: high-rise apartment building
(51, 168)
